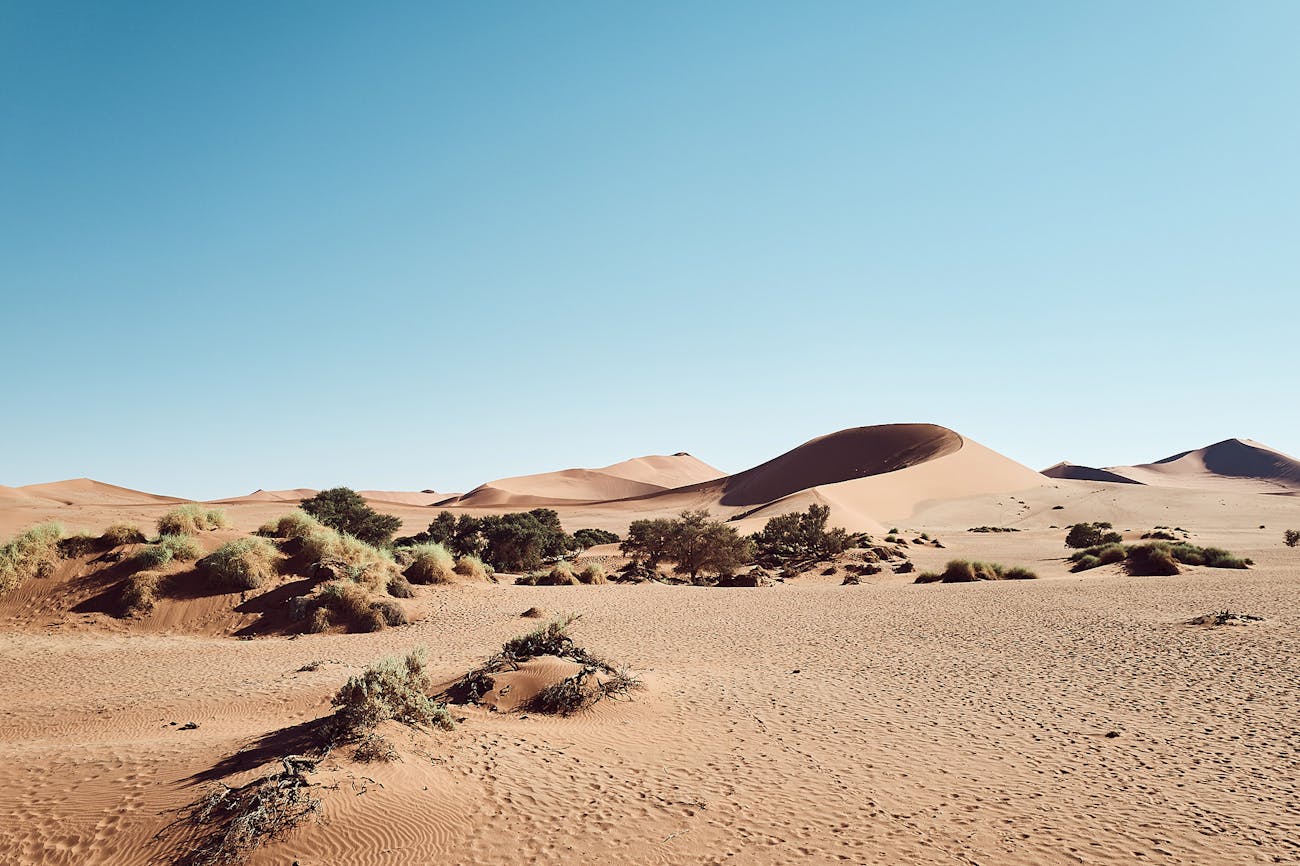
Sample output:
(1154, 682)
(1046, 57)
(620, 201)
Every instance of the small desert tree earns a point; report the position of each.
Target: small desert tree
(585, 538)
(647, 541)
(801, 535)
(1083, 535)
(1291, 537)
(700, 544)
(343, 509)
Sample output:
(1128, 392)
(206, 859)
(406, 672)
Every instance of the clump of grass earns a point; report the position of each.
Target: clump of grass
(993, 529)
(139, 593)
(560, 574)
(964, 571)
(239, 565)
(593, 572)
(32, 553)
(295, 524)
(1153, 559)
(122, 533)
(472, 567)
(392, 688)
(346, 603)
(191, 519)
(430, 563)
(168, 547)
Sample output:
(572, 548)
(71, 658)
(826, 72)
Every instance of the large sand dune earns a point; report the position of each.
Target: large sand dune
(631, 478)
(1231, 465)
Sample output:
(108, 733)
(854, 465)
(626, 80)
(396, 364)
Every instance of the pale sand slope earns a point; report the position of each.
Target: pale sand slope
(948, 724)
(636, 477)
(1233, 465)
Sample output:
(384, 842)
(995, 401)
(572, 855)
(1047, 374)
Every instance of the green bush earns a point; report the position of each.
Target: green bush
(1291, 537)
(240, 565)
(1154, 559)
(395, 689)
(168, 547)
(800, 536)
(345, 511)
(32, 553)
(1086, 562)
(696, 543)
(1091, 535)
(295, 524)
(586, 538)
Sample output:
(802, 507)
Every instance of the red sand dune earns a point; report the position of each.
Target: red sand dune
(85, 491)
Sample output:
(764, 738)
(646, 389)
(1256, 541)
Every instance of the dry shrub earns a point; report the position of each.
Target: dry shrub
(181, 548)
(582, 690)
(430, 563)
(1151, 560)
(560, 574)
(228, 824)
(239, 565)
(32, 553)
(471, 567)
(372, 748)
(392, 612)
(295, 524)
(964, 571)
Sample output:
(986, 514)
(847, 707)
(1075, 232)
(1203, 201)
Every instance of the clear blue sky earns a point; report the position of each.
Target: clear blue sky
(423, 245)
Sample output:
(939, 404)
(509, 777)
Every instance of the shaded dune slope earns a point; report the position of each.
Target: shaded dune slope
(1240, 465)
(1086, 473)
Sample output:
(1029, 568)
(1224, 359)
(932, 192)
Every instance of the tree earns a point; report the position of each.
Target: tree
(343, 509)
(1291, 537)
(1083, 535)
(699, 544)
(647, 541)
(591, 537)
(801, 536)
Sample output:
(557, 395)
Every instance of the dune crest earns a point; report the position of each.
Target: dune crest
(637, 477)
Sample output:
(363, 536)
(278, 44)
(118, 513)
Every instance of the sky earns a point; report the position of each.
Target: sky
(423, 245)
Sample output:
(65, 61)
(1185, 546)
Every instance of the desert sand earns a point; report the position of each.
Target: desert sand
(1075, 718)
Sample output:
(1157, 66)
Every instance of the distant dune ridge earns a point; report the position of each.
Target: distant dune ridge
(639, 476)
(1236, 465)
(81, 491)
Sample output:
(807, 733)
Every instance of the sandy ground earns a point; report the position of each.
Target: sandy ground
(883, 723)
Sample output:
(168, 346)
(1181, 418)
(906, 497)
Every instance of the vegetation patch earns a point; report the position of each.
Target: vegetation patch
(244, 564)
(139, 593)
(1156, 558)
(964, 571)
(993, 529)
(32, 553)
(344, 510)
(396, 689)
(694, 542)
(181, 548)
(191, 519)
(429, 563)
(1095, 534)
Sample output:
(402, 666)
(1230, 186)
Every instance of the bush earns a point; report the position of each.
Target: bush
(593, 572)
(560, 574)
(1217, 558)
(373, 748)
(471, 567)
(1150, 560)
(581, 691)
(347, 603)
(345, 511)
(1159, 535)
(430, 563)
(191, 519)
(139, 593)
(347, 556)
(586, 538)
(240, 565)
(32, 553)
(78, 544)
(963, 571)
(1086, 562)
(395, 689)
(122, 533)
(800, 536)
(1091, 535)
(1291, 537)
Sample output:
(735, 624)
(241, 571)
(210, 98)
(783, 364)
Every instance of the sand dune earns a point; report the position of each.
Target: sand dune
(631, 478)
(1240, 465)
(86, 491)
